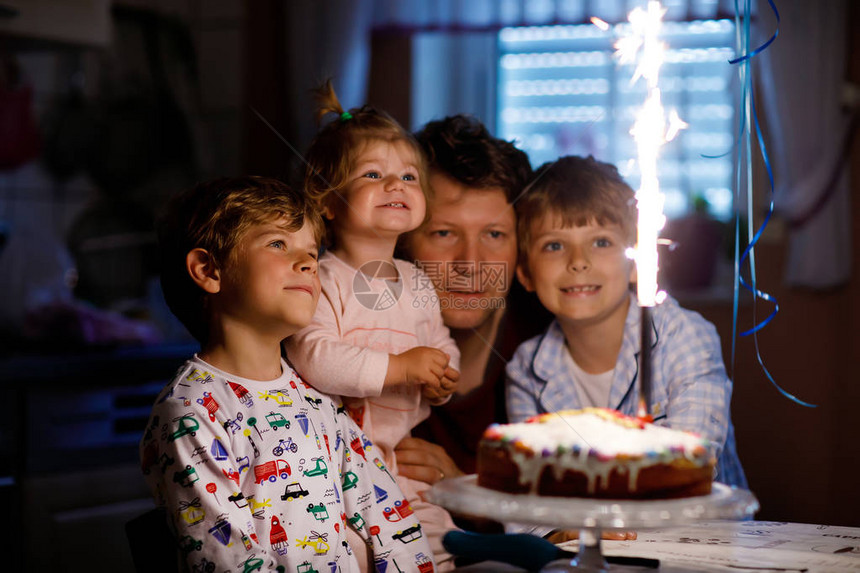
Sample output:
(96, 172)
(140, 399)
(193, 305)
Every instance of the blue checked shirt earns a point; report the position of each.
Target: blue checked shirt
(690, 388)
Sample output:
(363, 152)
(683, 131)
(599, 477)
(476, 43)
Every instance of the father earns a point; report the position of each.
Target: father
(468, 248)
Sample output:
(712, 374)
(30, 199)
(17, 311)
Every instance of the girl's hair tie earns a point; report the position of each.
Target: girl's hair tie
(345, 116)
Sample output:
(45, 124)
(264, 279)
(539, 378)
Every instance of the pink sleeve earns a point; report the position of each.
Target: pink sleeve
(320, 356)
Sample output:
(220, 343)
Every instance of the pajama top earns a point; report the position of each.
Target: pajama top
(689, 388)
(266, 476)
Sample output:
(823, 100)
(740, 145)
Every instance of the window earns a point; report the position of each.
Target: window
(561, 92)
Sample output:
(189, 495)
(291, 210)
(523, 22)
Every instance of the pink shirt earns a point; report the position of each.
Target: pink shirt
(359, 321)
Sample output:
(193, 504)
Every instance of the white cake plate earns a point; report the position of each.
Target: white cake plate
(590, 516)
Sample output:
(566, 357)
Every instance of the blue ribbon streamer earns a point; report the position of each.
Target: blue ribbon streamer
(748, 99)
(764, 46)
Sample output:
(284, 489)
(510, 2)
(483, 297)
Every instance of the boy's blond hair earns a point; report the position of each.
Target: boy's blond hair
(215, 216)
(334, 151)
(578, 190)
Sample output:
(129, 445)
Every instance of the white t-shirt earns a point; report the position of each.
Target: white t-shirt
(593, 389)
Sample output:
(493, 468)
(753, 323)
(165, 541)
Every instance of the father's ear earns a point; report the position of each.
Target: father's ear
(524, 277)
(203, 270)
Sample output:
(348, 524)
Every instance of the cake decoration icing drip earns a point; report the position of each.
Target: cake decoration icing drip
(595, 441)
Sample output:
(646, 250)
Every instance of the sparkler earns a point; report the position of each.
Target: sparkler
(650, 131)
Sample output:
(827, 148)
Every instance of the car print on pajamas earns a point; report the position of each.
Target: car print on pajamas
(294, 491)
(185, 424)
(186, 477)
(188, 544)
(318, 510)
(356, 521)
(208, 402)
(276, 420)
(408, 535)
(400, 510)
(271, 470)
(350, 480)
(306, 567)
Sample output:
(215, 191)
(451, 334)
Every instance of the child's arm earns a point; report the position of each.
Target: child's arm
(522, 390)
(419, 365)
(321, 357)
(374, 505)
(319, 354)
(199, 488)
(698, 389)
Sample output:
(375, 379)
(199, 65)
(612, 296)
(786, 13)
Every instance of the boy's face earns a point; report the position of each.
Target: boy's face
(580, 274)
(383, 197)
(270, 283)
(468, 249)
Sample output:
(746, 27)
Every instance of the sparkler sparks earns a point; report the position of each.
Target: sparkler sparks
(651, 130)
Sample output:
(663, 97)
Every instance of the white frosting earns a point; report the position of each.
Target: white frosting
(592, 432)
(589, 443)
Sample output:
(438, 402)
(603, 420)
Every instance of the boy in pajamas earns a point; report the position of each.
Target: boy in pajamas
(257, 469)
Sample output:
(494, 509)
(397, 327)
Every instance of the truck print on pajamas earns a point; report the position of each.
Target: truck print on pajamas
(245, 487)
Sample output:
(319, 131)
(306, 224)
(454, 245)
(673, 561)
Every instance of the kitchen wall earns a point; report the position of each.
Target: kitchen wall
(42, 203)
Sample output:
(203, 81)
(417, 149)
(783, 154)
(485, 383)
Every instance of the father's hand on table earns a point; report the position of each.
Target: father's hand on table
(422, 461)
(562, 535)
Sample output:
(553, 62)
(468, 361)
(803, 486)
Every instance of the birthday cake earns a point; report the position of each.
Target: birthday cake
(594, 452)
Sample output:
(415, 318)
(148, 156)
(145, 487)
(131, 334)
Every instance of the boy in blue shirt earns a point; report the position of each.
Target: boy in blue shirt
(575, 223)
(257, 470)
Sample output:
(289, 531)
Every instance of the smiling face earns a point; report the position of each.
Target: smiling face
(270, 283)
(382, 197)
(468, 248)
(580, 273)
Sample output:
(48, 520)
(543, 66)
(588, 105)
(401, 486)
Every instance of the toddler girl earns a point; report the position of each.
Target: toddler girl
(377, 337)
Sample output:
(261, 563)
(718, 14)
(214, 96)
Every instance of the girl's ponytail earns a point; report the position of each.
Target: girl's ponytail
(326, 102)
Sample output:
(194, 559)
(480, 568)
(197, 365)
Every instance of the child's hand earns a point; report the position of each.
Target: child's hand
(419, 365)
(438, 395)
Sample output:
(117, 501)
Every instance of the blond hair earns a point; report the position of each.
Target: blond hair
(333, 153)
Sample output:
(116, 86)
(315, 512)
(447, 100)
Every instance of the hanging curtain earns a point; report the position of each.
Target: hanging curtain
(325, 39)
(802, 86)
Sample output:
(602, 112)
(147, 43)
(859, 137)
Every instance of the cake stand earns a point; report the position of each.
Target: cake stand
(590, 516)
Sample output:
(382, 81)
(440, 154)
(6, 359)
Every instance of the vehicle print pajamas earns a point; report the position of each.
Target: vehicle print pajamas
(260, 475)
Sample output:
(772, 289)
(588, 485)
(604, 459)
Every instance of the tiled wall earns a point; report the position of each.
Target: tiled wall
(37, 211)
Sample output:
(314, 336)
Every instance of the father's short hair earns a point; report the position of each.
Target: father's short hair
(214, 216)
(460, 147)
(579, 190)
